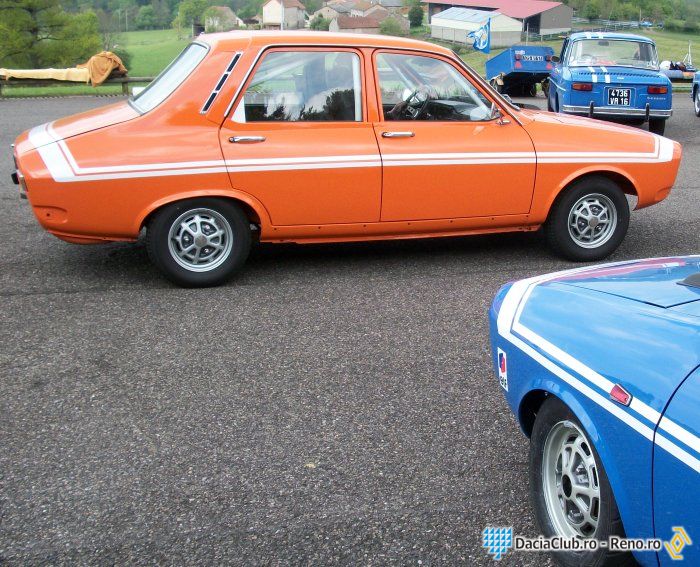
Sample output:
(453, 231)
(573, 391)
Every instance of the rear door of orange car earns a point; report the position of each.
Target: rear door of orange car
(298, 139)
(445, 155)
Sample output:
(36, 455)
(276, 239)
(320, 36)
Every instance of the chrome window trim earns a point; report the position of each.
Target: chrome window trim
(327, 46)
(220, 83)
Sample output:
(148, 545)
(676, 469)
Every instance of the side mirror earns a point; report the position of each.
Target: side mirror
(555, 59)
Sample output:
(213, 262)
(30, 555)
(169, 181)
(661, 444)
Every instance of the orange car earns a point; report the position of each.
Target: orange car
(321, 137)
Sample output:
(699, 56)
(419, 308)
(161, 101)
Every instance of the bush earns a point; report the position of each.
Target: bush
(415, 16)
(320, 23)
(123, 54)
(390, 27)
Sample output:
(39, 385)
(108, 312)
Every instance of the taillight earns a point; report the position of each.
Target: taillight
(518, 57)
(547, 57)
(620, 395)
(582, 86)
(657, 90)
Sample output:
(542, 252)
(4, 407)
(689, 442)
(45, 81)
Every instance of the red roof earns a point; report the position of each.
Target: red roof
(352, 22)
(513, 8)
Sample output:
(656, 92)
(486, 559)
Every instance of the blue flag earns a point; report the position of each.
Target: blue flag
(482, 37)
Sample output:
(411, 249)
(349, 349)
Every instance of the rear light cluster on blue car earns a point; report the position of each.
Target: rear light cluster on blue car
(582, 86)
(657, 90)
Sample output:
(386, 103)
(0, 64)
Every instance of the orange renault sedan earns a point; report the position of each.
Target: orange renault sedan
(321, 137)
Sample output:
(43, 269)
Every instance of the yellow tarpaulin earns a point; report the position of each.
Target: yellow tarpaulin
(72, 74)
(95, 71)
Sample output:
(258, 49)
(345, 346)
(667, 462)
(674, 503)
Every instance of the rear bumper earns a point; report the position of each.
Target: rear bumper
(616, 111)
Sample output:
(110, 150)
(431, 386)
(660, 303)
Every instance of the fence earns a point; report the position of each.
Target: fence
(123, 81)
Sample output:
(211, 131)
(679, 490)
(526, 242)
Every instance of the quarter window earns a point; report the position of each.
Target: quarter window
(306, 86)
(414, 87)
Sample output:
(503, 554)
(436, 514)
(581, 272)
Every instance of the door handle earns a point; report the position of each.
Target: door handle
(246, 139)
(397, 134)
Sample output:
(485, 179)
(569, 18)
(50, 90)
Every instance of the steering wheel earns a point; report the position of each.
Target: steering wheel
(417, 102)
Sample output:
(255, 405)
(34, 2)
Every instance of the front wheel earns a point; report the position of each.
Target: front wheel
(657, 126)
(588, 221)
(696, 101)
(199, 242)
(569, 490)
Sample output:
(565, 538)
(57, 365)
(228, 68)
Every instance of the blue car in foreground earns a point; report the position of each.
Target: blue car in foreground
(601, 366)
(611, 75)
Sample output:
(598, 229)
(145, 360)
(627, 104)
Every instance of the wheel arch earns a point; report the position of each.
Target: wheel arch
(617, 176)
(580, 405)
(253, 209)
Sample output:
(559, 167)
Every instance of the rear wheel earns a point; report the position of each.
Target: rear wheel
(569, 490)
(657, 126)
(696, 100)
(498, 88)
(199, 242)
(588, 221)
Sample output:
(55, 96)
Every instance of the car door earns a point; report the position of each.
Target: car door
(677, 475)
(444, 155)
(299, 141)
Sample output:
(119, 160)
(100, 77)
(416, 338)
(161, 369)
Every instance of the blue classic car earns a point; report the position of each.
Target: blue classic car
(601, 366)
(695, 94)
(611, 75)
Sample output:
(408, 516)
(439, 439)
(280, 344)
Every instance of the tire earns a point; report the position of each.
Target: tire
(219, 231)
(657, 126)
(556, 427)
(696, 101)
(496, 86)
(599, 199)
(531, 90)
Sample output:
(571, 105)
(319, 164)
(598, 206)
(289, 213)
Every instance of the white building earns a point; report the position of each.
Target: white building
(455, 24)
(293, 10)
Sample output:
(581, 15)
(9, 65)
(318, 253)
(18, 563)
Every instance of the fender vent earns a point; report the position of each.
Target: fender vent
(220, 84)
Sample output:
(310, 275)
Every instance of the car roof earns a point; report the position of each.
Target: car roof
(239, 40)
(610, 35)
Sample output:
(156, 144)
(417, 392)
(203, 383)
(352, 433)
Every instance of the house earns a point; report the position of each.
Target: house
(455, 24)
(360, 7)
(536, 16)
(377, 11)
(220, 19)
(332, 10)
(283, 14)
(355, 24)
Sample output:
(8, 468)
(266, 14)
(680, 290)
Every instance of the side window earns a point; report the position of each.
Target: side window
(563, 50)
(303, 86)
(414, 87)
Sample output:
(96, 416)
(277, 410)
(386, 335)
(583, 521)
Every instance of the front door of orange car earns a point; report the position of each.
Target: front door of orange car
(299, 142)
(444, 154)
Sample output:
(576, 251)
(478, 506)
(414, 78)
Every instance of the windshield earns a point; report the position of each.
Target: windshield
(607, 52)
(169, 79)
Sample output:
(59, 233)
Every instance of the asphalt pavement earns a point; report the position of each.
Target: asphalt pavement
(332, 404)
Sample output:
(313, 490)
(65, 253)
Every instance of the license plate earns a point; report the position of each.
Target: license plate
(619, 97)
(533, 57)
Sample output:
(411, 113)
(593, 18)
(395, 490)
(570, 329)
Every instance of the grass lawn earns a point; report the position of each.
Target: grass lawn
(152, 50)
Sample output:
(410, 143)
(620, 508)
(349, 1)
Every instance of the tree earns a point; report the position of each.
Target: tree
(592, 10)
(415, 16)
(320, 23)
(190, 11)
(162, 13)
(390, 26)
(39, 33)
(146, 18)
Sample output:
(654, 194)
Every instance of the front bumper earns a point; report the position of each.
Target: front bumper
(616, 111)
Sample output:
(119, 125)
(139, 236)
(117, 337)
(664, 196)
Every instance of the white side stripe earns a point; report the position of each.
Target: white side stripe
(508, 321)
(64, 168)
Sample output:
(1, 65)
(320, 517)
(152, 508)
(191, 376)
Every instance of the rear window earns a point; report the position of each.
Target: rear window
(170, 78)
